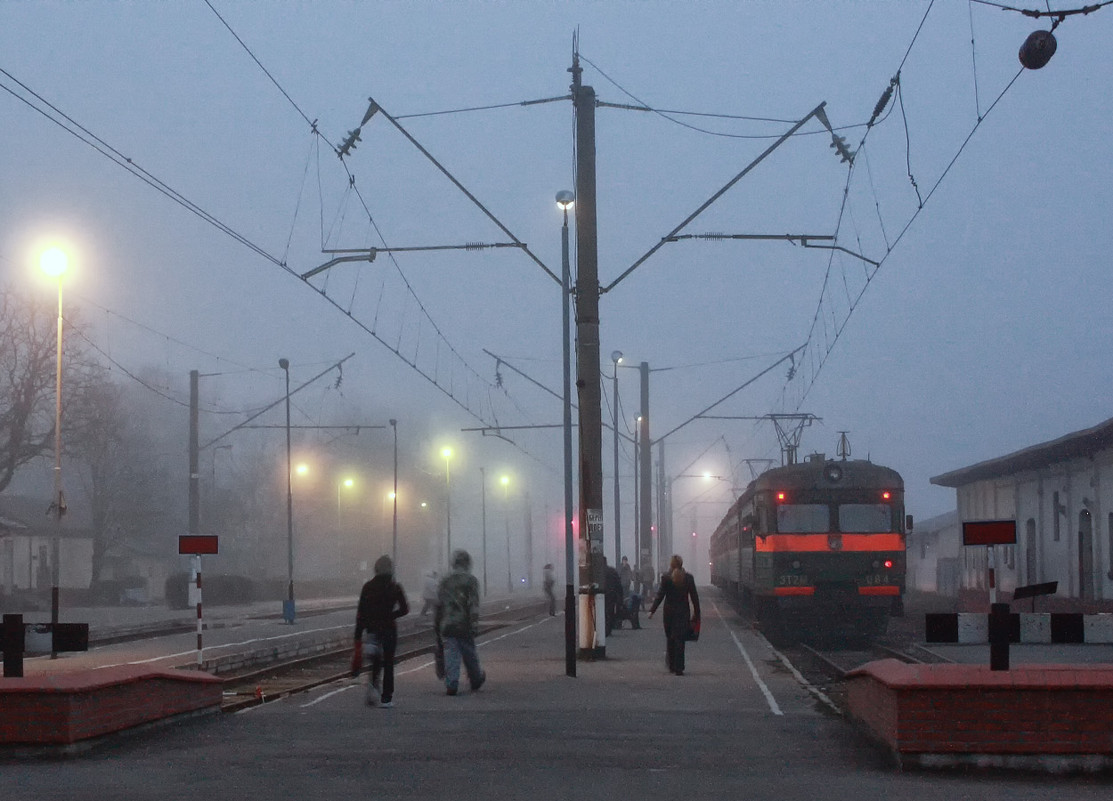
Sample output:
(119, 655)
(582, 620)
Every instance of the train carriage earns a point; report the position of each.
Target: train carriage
(816, 548)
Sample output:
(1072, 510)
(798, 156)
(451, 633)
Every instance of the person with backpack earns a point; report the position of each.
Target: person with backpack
(677, 587)
(457, 620)
(381, 602)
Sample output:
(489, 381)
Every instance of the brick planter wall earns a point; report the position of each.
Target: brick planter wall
(1051, 717)
(65, 708)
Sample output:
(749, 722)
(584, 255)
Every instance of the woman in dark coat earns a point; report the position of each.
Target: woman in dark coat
(677, 587)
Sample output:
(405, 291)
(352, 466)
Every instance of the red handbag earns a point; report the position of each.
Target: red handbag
(357, 658)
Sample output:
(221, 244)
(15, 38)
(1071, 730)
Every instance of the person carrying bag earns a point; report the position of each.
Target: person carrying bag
(682, 622)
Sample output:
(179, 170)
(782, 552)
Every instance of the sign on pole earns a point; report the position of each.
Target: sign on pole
(195, 544)
(989, 532)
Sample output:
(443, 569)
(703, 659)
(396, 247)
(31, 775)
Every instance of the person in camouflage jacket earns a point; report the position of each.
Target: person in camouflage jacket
(457, 620)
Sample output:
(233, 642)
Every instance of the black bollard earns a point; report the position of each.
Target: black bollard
(999, 637)
(13, 639)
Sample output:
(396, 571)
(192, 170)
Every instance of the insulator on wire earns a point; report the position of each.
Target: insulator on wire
(886, 96)
(1037, 49)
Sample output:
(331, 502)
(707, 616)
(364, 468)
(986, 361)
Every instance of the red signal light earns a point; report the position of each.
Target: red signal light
(888, 563)
(780, 496)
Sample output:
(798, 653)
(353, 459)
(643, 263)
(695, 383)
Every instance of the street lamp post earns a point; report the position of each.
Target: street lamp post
(483, 497)
(505, 481)
(616, 358)
(565, 199)
(394, 499)
(288, 613)
(447, 454)
(54, 263)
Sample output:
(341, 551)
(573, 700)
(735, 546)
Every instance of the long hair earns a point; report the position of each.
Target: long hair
(676, 570)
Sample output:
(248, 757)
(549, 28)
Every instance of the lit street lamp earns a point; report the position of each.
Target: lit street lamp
(349, 483)
(394, 501)
(447, 454)
(564, 200)
(288, 608)
(616, 358)
(505, 481)
(54, 263)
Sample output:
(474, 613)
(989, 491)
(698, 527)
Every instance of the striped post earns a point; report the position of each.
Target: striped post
(197, 570)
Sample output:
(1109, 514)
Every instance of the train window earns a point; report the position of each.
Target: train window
(865, 518)
(803, 518)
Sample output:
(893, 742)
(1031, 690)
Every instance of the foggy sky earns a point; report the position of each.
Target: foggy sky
(985, 330)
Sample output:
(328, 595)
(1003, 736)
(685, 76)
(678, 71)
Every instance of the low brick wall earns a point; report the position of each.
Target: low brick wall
(65, 708)
(1043, 717)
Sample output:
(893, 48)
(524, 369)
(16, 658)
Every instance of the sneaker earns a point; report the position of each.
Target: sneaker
(387, 704)
(451, 690)
(482, 678)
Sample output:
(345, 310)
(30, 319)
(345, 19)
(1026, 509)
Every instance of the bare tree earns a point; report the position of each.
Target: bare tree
(128, 487)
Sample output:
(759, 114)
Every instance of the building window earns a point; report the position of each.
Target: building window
(1055, 509)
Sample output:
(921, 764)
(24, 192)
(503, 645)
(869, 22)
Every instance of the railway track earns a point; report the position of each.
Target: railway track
(826, 669)
(278, 680)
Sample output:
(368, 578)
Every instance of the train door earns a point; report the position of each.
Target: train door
(1085, 555)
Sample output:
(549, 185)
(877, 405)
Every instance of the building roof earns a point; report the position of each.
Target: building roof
(1079, 444)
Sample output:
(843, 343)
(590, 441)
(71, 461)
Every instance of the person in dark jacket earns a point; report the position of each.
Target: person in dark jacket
(381, 602)
(612, 598)
(457, 620)
(677, 588)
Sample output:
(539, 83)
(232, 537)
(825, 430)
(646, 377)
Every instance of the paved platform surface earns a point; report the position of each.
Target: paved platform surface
(739, 725)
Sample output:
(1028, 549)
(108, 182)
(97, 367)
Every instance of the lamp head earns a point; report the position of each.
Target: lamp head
(284, 364)
(565, 199)
(53, 262)
(616, 356)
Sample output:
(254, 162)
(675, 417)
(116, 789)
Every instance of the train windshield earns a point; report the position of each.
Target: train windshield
(803, 518)
(865, 518)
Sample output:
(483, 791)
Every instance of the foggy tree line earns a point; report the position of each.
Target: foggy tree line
(125, 463)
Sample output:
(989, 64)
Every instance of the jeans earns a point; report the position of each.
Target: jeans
(455, 650)
(378, 650)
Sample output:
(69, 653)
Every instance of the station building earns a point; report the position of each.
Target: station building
(1060, 493)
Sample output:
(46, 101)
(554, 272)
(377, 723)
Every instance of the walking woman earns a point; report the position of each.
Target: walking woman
(677, 587)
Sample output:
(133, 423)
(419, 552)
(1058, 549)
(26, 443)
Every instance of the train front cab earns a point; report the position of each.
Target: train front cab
(829, 557)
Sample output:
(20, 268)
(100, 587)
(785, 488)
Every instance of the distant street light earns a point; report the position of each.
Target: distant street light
(346, 482)
(616, 358)
(54, 263)
(505, 481)
(394, 502)
(447, 454)
(288, 608)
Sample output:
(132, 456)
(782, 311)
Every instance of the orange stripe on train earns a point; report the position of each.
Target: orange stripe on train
(828, 543)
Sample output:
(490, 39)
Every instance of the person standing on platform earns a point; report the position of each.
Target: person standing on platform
(677, 587)
(457, 620)
(548, 581)
(429, 592)
(381, 602)
(626, 574)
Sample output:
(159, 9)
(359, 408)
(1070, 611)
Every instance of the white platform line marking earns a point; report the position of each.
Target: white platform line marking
(773, 706)
(807, 685)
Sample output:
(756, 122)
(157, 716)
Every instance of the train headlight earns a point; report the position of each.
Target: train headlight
(796, 564)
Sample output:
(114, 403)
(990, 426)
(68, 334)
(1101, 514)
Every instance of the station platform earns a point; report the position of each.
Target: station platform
(739, 724)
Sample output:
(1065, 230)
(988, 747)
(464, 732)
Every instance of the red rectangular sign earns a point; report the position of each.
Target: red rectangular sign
(197, 543)
(989, 532)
